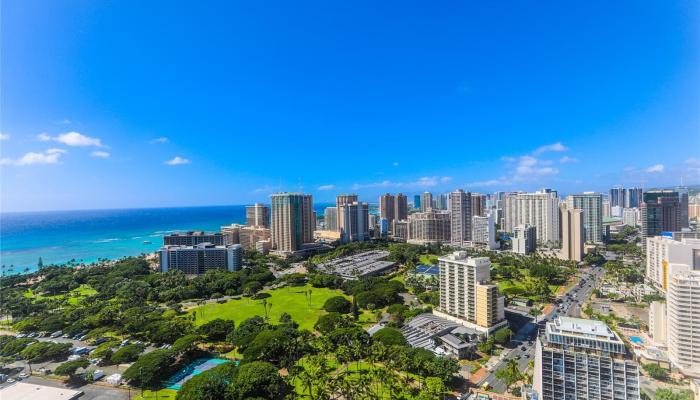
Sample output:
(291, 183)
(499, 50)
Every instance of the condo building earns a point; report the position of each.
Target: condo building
(429, 227)
(572, 233)
(484, 231)
(330, 218)
(592, 206)
(353, 222)
(193, 238)
(467, 295)
(660, 212)
(630, 216)
(524, 239)
(393, 207)
(683, 318)
(478, 204)
(399, 230)
(539, 209)
(246, 236)
(203, 257)
(461, 217)
(580, 359)
(400, 207)
(426, 201)
(666, 256)
(293, 221)
(257, 215)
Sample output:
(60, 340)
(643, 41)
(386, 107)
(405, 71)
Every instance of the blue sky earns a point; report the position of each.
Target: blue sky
(134, 104)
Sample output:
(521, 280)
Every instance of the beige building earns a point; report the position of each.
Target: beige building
(353, 221)
(694, 212)
(466, 293)
(592, 206)
(257, 215)
(429, 227)
(399, 230)
(683, 318)
(460, 217)
(666, 256)
(293, 221)
(426, 201)
(539, 209)
(478, 204)
(387, 207)
(657, 322)
(246, 236)
(572, 234)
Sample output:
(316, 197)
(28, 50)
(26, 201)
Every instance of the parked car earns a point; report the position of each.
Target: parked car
(101, 340)
(56, 334)
(24, 375)
(98, 374)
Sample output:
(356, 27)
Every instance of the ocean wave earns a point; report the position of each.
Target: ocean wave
(107, 240)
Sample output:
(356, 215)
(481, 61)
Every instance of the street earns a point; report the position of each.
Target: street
(525, 338)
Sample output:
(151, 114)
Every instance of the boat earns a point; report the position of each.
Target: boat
(146, 242)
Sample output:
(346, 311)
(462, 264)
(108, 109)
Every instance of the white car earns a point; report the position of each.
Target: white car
(24, 375)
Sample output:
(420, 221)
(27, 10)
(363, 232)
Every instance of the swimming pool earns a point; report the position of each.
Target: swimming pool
(192, 369)
(636, 340)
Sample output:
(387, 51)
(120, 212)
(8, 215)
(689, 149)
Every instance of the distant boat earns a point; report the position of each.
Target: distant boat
(146, 242)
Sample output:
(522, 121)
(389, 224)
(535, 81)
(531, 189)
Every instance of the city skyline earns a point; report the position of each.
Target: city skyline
(230, 103)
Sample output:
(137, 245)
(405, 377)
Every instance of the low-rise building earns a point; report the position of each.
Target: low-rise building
(196, 260)
(359, 265)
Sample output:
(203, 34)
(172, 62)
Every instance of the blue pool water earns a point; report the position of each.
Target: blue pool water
(192, 369)
(636, 340)
(428, 269)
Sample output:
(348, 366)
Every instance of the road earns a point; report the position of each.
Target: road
(525, 338)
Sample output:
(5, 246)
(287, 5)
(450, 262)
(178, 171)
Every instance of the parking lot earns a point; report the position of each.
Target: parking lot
(90, 391)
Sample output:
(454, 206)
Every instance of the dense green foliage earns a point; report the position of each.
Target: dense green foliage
(126, 354)
(338, 304)
(70, 367)
(390, 337)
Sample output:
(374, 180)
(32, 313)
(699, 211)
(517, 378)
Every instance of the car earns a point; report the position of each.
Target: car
(56, 334)
(10, 380)
(74, 357)
(101, 340)
(24, 375)
(523, 348)
(81, 338)
(21, 335)
(527, 356)
(98, 374)
(32, 335)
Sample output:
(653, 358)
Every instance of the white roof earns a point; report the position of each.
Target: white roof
(30, 391)
(583, 326)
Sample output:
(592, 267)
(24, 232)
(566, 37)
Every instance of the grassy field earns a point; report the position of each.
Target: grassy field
(74, 296)
(164, 394)
(290, 299)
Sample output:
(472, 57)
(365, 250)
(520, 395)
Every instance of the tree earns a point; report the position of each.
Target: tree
(338, 304)
(656, 371)
(315, 376)
(390, 337)
(670, 394)
(502, 336)
(257, 380)
(510, 373)
(209, 385)
(42, 351)
(331, 321)
(150, 368)
(217, 330)
(247, 330)
(69, 368)
(126, 354)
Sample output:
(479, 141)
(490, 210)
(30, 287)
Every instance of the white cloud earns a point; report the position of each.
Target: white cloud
(65, 121)
(395, 163)
(42, 137)
(100, 154)
(326, 187)
(4, 136)
(567, 159)
(422, 182)
(77, 139)
(490, 182)
(178, 161)
(50, 156)
(550, 147)
(159, 140)
(658, 168)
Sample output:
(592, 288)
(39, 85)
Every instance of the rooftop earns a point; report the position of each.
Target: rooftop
(30, 391)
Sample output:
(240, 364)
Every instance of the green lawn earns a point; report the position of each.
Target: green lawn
(74, 296)
(428, 259)
(165, 394)
(289, 299)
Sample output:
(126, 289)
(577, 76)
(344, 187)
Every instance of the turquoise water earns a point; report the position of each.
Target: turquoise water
(636, 340)
(60, 236)
(192, 369)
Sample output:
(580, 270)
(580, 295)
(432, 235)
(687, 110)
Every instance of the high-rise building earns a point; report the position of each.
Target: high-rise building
(683, 201)
(387, 207)
(426, 201)
(666, 256)
(617, 197)
(257, 215)
(478, 203)
(658, 327)
(606, 209)
(572, 233)
(580, 359)
(441, 201)
(400, 207)
(694, 211)
(293, 221)
(466, 293)
(383, 228)
(193, 238)
(246, 236)
(330, 218)
(683, 318)
(429, 227)
(353, 221)
(484, 231)
(203, 257)
(399, 230)
(633, 197)
(461, 217)
(539, 209)
(416, 202)
(524, 239)
(592, 206)
(660, 212)
(629, 216)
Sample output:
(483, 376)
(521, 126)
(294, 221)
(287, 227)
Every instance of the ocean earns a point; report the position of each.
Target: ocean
(85, 236)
